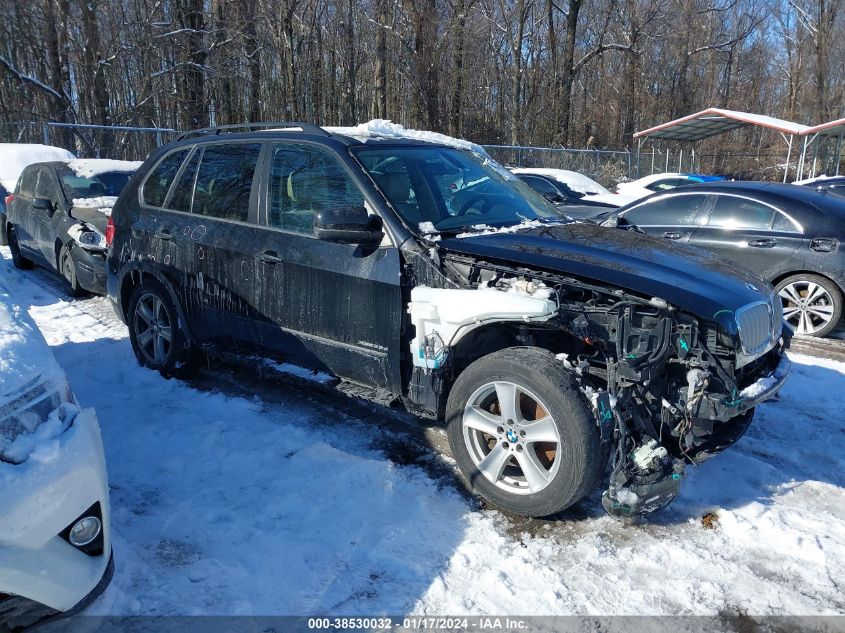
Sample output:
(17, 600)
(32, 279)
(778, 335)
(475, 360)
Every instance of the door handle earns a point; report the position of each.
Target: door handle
(672, 236)
(269, 257)
(764, 243)
(163, 234)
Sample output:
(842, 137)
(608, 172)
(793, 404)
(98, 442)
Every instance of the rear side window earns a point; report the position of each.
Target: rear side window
(184, 189)
(730, 212)
(303, 182)
(224, 180)
(158, 182)
(668, 211)
(28, 181)
(539, 184)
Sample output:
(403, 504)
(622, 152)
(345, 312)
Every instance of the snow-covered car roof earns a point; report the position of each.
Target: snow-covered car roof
(810, 181)
(15, 157)
(647, 180)
(575, 181)
(90, 167)
(384, 129)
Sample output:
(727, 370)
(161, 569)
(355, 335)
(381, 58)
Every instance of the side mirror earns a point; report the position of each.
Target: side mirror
(348, 225)
(43, 204)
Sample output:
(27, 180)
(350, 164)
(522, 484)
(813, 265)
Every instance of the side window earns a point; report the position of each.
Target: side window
(667, 211)
(539, 184)
(46, 187)
(783, 223)
(667, 184)
(158, 182)
(303, 182)
(730, 212)
(224, 180)
(28, 181)
(183, 192)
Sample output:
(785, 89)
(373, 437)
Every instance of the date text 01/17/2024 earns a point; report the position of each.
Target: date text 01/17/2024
(418, 623)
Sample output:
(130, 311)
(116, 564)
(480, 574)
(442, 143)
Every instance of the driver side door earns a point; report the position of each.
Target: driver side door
(325, 305)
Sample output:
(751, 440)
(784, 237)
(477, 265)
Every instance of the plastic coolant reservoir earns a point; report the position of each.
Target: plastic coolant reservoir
(439, 314)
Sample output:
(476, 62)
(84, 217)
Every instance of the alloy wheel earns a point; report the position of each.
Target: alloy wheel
(807, 306)
(153, 328)
(512, 439)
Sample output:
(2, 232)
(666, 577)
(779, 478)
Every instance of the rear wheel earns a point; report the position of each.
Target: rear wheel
(522, 433)
(17, 258)
(812, 304)
(67, 269)
(157, 339)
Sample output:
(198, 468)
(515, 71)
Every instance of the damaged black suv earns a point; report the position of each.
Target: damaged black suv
(413, 265)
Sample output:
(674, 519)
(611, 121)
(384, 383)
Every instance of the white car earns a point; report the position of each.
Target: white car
(648, 185)
(55, 546)
(589, 189)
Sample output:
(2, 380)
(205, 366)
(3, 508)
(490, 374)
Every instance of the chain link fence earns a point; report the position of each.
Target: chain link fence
(90, 141)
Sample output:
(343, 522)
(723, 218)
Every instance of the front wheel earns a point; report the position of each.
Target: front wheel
(67, 269)
(522, 434)
(812, 304)
(156, 336)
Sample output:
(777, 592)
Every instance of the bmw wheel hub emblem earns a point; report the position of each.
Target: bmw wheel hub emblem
(512, 437)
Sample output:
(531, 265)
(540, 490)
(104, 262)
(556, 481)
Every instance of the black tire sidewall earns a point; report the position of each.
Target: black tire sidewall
(178, 352)
(583, 458)
(830, 287)
(18, 259)
(73, 287)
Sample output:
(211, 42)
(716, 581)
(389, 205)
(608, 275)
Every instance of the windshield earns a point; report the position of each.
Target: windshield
(109, 183)
(451, 190)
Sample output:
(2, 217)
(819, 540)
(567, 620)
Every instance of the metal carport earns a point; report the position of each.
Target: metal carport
(714, 121)
(830, 130)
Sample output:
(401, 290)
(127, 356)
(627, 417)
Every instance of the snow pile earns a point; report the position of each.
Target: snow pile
(103, 204)
(382, 128)
(15, 157)
(90, 167)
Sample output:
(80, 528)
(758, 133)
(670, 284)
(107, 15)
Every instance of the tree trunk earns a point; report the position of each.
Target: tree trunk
(568, 70)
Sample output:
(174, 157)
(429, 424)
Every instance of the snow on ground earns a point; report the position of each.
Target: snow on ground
(14, 157)
(275, 502)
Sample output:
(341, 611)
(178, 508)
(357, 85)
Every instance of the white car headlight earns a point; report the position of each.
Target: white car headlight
(90, 238)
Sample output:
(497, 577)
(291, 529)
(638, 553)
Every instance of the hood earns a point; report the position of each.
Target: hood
(93, 211)
(689, 278)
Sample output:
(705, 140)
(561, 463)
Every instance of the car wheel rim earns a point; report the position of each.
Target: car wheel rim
(153, 329)
(512, 439)
(67, 268)
(807, 306)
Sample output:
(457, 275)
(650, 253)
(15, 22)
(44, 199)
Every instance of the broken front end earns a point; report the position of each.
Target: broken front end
(668, 388)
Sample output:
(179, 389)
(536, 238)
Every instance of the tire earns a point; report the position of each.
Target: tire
(4, 240)
(67, 270)
(564, 459)
(17, 258)
(151, 317)
(812, 304)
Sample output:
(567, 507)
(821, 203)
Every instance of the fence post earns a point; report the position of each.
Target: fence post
(45, 133)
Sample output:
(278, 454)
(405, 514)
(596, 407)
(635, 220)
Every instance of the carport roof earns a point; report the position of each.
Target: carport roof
(831, 128)
(713, 121)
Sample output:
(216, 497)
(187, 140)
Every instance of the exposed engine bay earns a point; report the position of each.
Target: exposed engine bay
(668, 389)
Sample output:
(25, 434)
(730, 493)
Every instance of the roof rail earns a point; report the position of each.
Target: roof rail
(309, 128)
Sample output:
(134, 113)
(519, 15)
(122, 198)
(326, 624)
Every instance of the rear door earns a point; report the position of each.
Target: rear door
(20, 213)
(750, 232)
(335, 307)
(673, 216)
(220, 238)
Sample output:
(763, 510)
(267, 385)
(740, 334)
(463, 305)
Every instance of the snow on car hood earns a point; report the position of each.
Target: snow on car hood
(103, 204)
(17, 156)
(24, 355)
